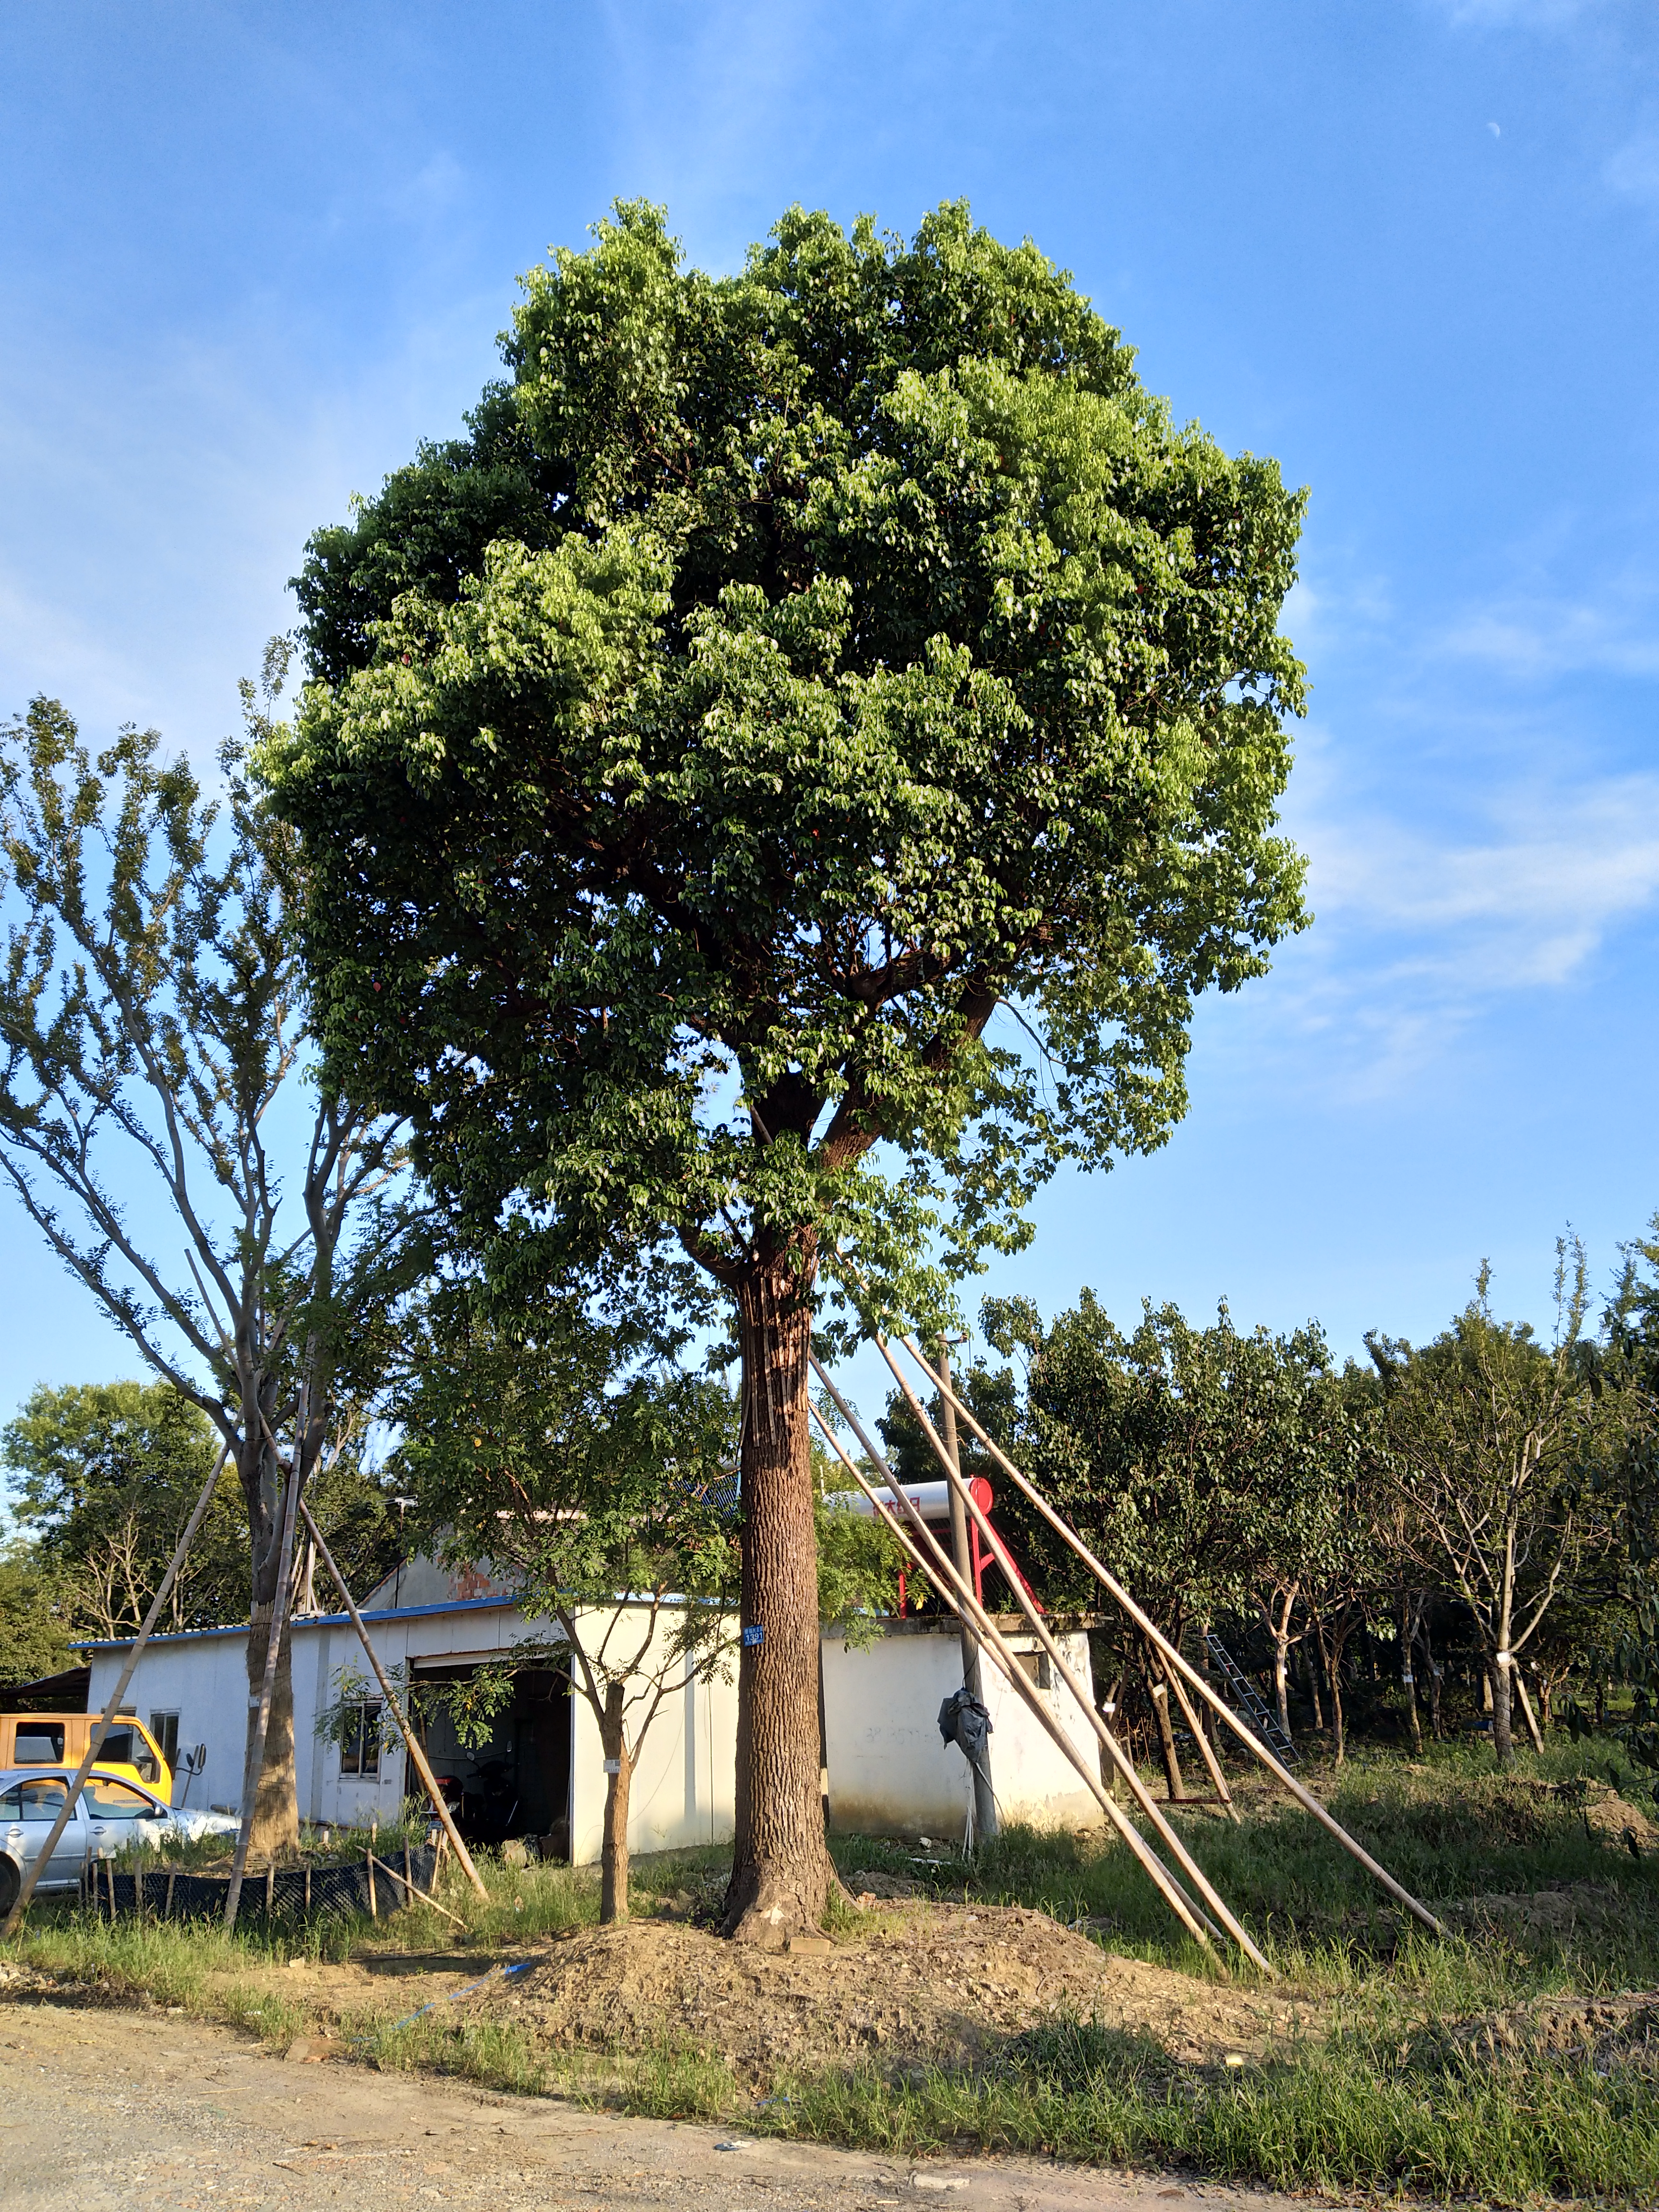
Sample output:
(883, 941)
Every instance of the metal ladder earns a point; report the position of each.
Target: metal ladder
(1250, 1701)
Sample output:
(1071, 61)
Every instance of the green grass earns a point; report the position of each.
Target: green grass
(1325, 2119)
(1423, 2076)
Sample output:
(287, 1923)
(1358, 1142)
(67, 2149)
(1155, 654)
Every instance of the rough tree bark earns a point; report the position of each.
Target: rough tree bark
(1276, 1612)
(782, 1872)
(1310, 1670)
(619, 1777)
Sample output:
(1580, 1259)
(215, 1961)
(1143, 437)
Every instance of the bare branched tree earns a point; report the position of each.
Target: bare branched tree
(159, 1123)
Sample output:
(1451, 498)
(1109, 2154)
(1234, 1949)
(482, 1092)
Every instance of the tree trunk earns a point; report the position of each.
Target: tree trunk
(1434, 1680)
(1279, 1628)
(1158, 1693)
(1281, 1691)
(1527, 1713)
(1312, 1670)
(1408, 1675)
(618, 1781)
(782, 1871)
(1112, 1709)
(1331, 1654)
(276, 1825)
(1503, 1742)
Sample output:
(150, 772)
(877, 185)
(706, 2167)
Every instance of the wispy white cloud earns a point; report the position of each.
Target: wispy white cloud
(1633, 170)
(1424, 934)
(1523, 906)
(1532, 636)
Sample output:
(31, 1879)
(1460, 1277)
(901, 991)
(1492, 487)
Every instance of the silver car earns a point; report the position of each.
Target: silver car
(110, 1814)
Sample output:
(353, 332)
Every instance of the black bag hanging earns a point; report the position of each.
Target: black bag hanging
(965, 1721)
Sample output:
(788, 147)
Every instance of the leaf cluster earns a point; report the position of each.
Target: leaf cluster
(785, 674)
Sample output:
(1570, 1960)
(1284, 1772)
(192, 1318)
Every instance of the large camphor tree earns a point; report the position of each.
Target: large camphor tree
(785, 775)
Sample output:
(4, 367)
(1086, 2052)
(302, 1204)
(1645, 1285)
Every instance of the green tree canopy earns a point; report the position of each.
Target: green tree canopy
(34, 1627)
(828, 708)
(104, 1477)
(1497, 1441)
(1199, 1463)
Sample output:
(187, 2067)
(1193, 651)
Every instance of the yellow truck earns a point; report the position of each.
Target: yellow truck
(61, 1739)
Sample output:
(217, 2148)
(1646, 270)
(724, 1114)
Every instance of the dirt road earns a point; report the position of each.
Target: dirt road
(102, 2111)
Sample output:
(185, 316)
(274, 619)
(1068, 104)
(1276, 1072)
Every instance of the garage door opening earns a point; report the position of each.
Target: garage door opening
(516, 1782)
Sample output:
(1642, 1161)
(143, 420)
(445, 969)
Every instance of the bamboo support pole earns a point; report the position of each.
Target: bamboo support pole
(1150, 1807)
(405, 1729)
(256, 1754)
(1206, 1748)
(95, 1743)
(414, 1890)
(963, 1602)
(1109, 1583)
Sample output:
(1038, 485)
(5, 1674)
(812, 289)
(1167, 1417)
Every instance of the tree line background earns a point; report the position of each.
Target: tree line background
(1451, 1538)
(1365, 1538)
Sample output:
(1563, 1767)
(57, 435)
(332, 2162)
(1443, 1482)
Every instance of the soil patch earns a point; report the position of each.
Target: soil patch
(1538, 1911)
(939, 1984)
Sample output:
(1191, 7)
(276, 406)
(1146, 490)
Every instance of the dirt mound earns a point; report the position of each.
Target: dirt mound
(1537, 1912)
(1606, 2030)
(1618, 1822)
(942, 1984)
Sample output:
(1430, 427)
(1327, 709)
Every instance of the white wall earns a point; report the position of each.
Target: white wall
(891, 1772)
(203, 1679)
(684, 1786)
(682, 1792)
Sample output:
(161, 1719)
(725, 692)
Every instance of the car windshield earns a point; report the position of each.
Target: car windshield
(108, 1799)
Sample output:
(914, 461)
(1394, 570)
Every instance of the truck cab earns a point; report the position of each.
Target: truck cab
(61, 1739)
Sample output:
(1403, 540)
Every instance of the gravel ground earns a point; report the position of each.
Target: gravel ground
(102, 2110)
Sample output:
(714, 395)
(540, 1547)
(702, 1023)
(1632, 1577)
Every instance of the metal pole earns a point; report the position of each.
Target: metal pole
(984, 1800)
(95, 1744)
(405, 1730)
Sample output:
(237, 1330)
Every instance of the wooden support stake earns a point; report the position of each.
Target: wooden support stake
(414, 1889)
(1206, 1749)
(1173, 1842)
(1114, 1589)
(961, 1600)
(403, 1725)
(95, 1743)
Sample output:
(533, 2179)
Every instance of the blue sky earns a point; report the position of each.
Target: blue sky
(249, 255)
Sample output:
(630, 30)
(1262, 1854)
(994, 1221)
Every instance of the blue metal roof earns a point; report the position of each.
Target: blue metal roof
(305, 1620)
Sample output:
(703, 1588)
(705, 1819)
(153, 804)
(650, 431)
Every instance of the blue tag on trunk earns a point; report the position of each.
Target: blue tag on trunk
(755, 1635)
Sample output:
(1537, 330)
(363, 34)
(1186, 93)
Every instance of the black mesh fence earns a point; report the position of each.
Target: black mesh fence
(375, 1886)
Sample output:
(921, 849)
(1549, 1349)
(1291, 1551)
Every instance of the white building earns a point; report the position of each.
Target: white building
(542, 1770)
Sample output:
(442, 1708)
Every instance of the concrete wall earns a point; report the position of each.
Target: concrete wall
(682, 1792)
(685, 1787)
(891, 1772)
